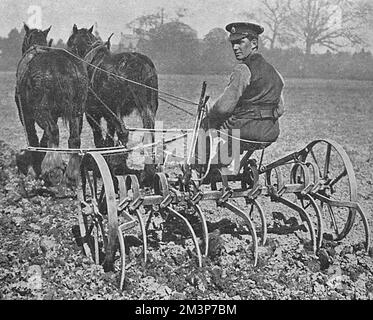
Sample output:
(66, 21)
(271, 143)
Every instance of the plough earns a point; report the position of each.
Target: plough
(320, 187)
(321, 182)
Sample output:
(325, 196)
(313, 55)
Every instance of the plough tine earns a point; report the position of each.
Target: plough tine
(85, 246)
(204, 228)
(303, 215)
(193, 234)
(366, 227)
(123, 257)
(250, 225)
(263, 220)
(320, 223)
(143, 232)
(351, 205)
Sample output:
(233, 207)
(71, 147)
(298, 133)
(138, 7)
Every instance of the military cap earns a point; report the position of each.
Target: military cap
(239, 30)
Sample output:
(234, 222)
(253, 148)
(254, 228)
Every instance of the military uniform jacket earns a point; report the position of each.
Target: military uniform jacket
(250, 100)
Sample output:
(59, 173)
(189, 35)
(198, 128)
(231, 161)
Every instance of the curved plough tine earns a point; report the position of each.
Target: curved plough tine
(320, 223)
(351, 205)
(263, 220)
(304, 215)
(204, 229)
(123, 257)
(250, 225)
(193, 234)
(143, 233)
(366, 227)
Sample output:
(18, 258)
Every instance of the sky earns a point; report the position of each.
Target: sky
(114, 15)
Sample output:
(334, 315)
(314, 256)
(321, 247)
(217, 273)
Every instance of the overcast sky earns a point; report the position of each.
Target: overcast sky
(113, 15)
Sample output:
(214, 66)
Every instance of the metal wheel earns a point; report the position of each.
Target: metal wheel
(336, 181)
(98, 220)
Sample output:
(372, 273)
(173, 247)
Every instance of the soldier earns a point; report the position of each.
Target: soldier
(252, 101)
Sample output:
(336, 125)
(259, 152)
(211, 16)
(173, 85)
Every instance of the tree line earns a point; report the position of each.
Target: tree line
(293, 30)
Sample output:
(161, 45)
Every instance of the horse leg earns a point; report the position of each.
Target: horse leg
(110, 132)
(30, 158)
(27, 158)
(72, 171)
(52, 165)
(94, 122)
(119, 160)
(148, 120)
(44, 144)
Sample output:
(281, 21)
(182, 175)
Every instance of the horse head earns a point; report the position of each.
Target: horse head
(81, 41)
(34, 37)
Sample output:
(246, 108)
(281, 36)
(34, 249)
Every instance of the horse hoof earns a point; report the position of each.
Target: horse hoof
(55, 176)
(72, 170)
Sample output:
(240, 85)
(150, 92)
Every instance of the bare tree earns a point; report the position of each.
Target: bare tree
(328, 23)
(275, 14)
(142, 24)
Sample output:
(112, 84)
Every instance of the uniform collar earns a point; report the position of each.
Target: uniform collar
(252, 56)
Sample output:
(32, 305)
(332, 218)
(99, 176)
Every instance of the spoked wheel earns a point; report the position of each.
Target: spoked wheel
(336, 181)
(98, 220)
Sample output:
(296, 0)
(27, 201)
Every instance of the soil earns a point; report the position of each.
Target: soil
(39, 258)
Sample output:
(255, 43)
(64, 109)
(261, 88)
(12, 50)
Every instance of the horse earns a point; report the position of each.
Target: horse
(51, 84)
(120, 84)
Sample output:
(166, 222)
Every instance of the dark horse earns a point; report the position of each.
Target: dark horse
(51, 84)
(110, 96)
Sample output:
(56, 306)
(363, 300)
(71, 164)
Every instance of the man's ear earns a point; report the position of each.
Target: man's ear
(254, 43)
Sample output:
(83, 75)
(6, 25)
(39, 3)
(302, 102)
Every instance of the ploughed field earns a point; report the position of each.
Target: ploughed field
(39, 258)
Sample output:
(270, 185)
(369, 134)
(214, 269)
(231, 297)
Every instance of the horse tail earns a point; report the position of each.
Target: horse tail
(152, 94)
(72, 91)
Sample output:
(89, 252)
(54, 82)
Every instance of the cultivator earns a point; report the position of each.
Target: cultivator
(317, 183)
(320, 187)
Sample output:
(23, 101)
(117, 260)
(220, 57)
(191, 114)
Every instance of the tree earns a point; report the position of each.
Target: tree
(96, 33)
(173, 46)
(217, 56)
(275, 14)
(60, 44)
(11, 49)
(327, 23)
(143, 24)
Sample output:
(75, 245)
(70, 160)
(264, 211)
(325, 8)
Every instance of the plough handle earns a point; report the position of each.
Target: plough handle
(201, 104)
